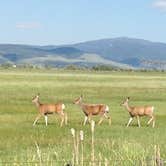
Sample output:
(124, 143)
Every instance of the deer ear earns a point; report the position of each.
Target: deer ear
(81, 96)
(38, 94)
(128, 98)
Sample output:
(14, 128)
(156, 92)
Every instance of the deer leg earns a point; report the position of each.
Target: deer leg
(89, 118)
(46, 119)
(108, 117)
(152, 119)
(66, 118)
(85, 120)
(138, 121)
(37, 118)
(129, 121)
(153, 122)
(100, 121)
(62, 119)
(102, 118)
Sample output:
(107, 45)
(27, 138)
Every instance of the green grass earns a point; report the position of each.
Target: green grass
(120, 145)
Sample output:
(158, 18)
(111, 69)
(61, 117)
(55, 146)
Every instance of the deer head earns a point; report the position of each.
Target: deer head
(125, 103)
(35, 99)
(78, 100)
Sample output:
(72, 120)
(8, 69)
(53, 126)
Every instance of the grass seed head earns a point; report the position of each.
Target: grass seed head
(92, 125)
(73, 132)
(81, 135)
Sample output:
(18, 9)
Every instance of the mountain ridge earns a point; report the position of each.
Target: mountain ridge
(121, 51)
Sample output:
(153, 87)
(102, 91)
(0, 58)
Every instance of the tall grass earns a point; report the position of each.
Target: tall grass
(124, 158)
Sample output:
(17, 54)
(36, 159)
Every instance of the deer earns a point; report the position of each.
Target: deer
(93, 109)
(139, 111)
(45, 109)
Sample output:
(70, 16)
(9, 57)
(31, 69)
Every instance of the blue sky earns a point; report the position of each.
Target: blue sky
(45, 22)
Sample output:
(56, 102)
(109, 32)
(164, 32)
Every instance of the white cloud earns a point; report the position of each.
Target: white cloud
(28, 25)
(160, 4)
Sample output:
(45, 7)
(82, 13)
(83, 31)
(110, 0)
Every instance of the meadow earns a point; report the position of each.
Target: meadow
(24, 144)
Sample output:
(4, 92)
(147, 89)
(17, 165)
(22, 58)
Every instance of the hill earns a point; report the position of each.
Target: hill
(126, 50)
(120, 52)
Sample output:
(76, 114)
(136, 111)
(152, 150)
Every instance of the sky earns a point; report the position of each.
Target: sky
(55, 22)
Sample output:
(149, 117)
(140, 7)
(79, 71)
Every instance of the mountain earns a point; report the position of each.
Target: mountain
(68, 52)
(126, 50)
(119, 52)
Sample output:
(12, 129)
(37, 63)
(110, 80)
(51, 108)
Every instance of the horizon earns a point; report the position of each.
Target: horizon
(69, 22)
(79, 42)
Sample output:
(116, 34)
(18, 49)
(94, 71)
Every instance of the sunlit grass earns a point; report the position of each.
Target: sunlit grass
(116, 143)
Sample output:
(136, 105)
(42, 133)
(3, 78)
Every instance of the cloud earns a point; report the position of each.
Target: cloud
(160, 4)
(28, 25)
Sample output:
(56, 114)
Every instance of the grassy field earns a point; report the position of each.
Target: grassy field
(116, 144)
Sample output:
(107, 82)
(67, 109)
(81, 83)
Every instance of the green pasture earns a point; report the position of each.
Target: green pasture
(20, 142)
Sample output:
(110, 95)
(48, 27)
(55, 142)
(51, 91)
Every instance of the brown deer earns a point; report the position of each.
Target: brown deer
(138, 111)
(45, 109)
(93, 109)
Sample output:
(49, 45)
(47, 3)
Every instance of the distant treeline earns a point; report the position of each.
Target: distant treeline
(75, 67)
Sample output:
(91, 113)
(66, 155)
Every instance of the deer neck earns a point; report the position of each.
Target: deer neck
(128, 108)
(81, 104)
(37, 103)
